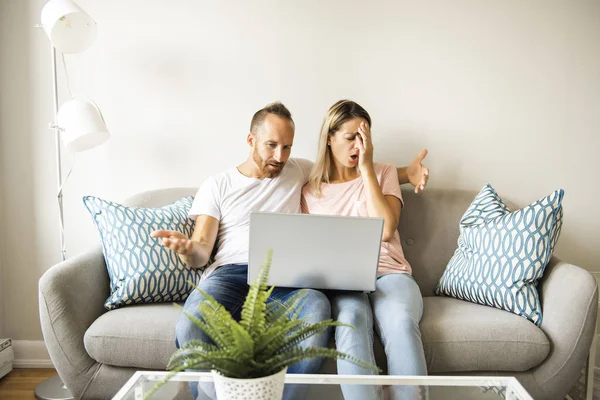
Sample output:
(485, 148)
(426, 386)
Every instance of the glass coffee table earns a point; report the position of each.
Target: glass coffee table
(328, 386)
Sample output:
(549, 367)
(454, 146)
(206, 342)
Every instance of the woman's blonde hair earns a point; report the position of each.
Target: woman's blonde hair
(337, 115)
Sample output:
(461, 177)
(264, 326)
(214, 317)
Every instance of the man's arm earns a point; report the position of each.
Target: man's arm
(195, 251)
(306, 167)
(416, 173)
(403, 175)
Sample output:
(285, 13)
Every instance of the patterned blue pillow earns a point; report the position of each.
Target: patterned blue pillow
(141, 270)
(502, 254)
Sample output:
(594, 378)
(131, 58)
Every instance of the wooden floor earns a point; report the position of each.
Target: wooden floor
(20, 383)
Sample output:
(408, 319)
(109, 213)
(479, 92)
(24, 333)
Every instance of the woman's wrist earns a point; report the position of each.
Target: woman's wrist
(367, 168)
(368, 175)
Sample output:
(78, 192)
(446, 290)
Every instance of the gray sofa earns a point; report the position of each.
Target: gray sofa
(95, 351)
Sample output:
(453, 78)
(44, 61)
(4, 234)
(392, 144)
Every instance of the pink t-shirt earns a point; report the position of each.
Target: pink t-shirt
(348, 199)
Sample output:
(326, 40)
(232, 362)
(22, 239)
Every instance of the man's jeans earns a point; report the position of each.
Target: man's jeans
(397, 308)
(228, 285)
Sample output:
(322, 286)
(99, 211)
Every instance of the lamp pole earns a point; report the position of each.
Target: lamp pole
(74, 31)
(53, 388)
(63, 251)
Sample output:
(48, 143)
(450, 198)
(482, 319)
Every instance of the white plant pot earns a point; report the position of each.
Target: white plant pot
(266, 388)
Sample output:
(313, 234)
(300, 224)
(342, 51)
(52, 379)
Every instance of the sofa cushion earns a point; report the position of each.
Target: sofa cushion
(457, 336)
(501, 254)
(141, 270)
(142, 336)
(462, 336)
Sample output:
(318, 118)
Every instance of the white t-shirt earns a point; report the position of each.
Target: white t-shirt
(231, 196)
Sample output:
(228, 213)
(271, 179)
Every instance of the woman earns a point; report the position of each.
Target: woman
(345, 181)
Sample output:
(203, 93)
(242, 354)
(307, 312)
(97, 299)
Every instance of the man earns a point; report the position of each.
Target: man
(267, 181)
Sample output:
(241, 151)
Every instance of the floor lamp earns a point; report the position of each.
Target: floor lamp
(78, 122)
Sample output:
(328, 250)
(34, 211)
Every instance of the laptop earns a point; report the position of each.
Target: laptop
(316, 251)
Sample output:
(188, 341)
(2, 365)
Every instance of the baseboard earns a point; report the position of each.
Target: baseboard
(31, 354)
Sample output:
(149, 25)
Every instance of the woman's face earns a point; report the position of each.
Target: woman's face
(344, 143)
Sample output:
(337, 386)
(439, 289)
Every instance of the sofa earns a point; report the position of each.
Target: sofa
(95, 351)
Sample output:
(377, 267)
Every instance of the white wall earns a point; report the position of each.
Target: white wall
(1, 265)
(2, 33)
(505, 92)
(27, 234)
(1, 214)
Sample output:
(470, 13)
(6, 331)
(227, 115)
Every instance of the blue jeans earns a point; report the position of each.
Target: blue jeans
(397, 308)
(228, 285)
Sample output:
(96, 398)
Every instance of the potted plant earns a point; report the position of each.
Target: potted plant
(254, 353)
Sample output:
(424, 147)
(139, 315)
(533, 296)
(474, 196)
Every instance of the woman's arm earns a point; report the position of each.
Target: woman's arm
(378, 205)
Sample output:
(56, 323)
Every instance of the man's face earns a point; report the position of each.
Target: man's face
(272, 145)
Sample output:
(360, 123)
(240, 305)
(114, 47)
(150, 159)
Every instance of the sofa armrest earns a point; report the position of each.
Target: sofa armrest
(71, 297)
(569, 297)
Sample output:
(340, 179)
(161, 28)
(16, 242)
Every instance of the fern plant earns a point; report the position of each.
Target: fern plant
(265, 340)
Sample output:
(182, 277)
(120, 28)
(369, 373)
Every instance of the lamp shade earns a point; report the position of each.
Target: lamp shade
(68, 27)
(82, 124)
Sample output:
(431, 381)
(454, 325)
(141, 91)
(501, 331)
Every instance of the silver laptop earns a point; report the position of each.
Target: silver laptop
(316, 251)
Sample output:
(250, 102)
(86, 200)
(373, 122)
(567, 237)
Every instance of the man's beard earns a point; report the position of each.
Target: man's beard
(266, 167)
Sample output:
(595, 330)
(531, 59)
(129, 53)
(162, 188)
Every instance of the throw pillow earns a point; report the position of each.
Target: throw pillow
(141, 270)
(502, 254)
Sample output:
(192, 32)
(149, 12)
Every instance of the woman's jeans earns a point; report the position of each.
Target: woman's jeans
(397, 308)
(228, 285)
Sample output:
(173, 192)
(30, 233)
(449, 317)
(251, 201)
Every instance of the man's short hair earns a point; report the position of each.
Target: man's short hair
(276, 108)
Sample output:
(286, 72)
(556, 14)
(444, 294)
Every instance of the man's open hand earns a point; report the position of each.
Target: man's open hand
(175, 241)
(418, 174)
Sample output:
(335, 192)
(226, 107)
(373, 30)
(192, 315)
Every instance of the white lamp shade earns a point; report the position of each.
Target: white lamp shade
(82, 124)
(68, 27)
